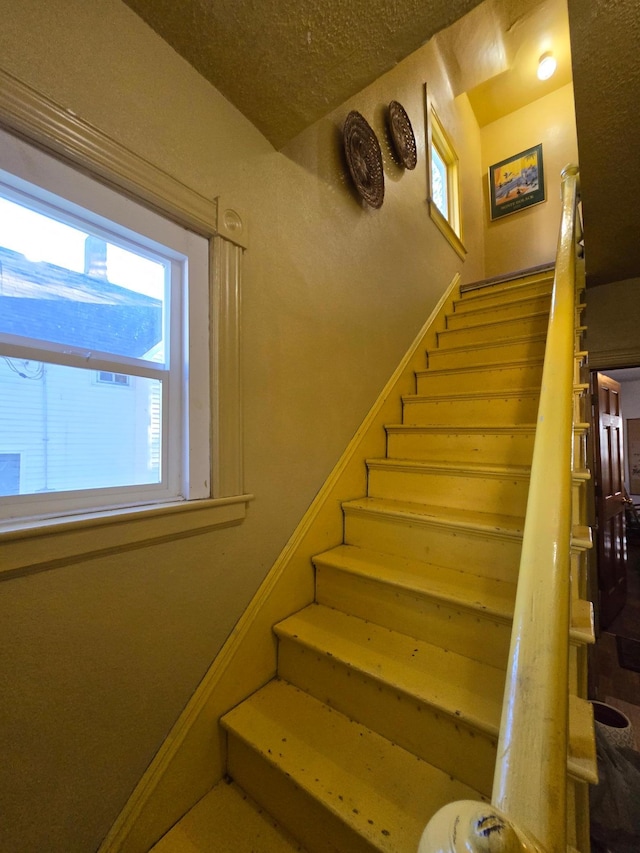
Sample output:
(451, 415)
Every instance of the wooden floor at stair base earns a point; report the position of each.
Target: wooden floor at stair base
(226, 820)
(336, 785)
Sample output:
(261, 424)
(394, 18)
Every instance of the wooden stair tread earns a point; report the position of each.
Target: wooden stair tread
(497, 429)
(488, 345)
(473, 306)
(471, 469)
(476, 429)
(527, 316)
(419, 512)
(430, 674)
(504, 525)
(467, 316)
(452, 372)
(501, 327)
(228, 821)
(494, 597)
(467, 690)
(466, 468)
(582, 626)
(541, 272)
(490, 597)
(469, 395)
(382, 793)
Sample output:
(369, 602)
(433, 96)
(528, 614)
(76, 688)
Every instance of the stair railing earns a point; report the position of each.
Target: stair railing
(528, 810)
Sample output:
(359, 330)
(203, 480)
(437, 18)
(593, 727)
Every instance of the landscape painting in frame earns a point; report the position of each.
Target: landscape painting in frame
(516, 183)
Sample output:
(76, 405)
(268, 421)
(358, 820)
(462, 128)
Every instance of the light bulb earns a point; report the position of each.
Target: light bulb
(546, 66)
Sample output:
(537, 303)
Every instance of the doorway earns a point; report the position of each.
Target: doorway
(615, 660)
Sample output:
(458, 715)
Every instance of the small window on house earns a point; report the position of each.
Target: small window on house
(9, 473)
(444, 194)
(96, 293)
(112, 378)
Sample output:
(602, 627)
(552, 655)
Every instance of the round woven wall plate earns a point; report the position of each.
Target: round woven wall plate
(364, 158)
(402, 135)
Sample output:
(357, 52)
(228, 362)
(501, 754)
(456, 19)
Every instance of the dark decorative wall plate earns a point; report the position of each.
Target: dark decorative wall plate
(402, 135)
(364, 158)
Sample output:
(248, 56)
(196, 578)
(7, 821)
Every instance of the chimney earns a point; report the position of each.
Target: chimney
(95, 257)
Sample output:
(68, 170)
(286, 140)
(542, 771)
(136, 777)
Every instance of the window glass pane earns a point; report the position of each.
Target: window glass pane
(64, 429)
(9, 473)
(439, 189)
(62, 284)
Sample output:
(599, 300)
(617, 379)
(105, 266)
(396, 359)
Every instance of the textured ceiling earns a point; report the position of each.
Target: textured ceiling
(606, 68)
(287, 63)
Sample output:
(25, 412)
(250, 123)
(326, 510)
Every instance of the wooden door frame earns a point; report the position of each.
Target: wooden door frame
(599, 511)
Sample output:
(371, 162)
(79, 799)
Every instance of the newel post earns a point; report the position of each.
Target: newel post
(469, 826)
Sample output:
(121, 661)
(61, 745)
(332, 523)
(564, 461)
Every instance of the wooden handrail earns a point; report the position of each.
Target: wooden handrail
(528, 810)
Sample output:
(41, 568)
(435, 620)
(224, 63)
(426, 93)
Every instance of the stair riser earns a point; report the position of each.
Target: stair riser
(493, 411)
(497, 294)
(419, 615)
(508, 311)
(497, 353)
(472, 381)
(491, 332)
(497, 448)
(463, 490)
(446, 741)
(317, 828)
(491, 556)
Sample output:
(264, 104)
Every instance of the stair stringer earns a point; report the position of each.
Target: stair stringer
(192, 758)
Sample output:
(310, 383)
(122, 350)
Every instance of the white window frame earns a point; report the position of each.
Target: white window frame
(451, 224)
(32, 116)
(62, 192)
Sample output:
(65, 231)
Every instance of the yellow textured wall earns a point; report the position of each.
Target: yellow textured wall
(529, 237)
(100, 656)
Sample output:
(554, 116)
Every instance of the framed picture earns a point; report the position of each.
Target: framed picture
(516, 183)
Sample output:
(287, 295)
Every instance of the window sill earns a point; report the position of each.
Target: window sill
(49, 543)
(447, 230)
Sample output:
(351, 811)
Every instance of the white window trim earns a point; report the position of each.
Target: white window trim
(39, 120)
(451, 226)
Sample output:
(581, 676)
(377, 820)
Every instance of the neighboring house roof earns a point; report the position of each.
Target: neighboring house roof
(47, 302)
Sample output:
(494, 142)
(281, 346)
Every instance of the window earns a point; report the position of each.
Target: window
(444, 196)
(104, 388)
(10, 473)
(439, 182)
(112, 378)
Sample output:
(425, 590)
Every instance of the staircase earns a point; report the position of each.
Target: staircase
(389, 690)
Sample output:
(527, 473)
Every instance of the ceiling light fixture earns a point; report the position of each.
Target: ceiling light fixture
(546, 66)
